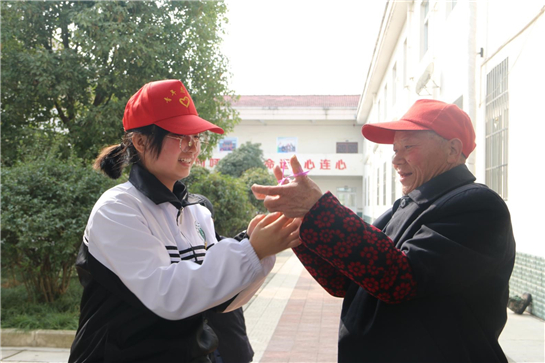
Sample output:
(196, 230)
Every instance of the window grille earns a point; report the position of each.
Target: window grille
(347, 197)
(378, 186)
(347, 148)
(393, 185)
(425, 10)
(497, 129)
(394, 84)
(367, 191)
(384, 184)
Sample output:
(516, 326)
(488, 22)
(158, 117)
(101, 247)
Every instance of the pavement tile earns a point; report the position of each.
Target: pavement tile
(39, 355)
(305, 334)
(293, 320)
(5, 353)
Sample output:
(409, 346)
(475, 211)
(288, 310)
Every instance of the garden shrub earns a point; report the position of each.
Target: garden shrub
(257, 176)
(232, 210)
(45, 207)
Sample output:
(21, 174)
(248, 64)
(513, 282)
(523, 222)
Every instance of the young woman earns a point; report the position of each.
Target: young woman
(150, 263)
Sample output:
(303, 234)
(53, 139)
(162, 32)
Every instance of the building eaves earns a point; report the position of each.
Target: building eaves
(305, 101)
(395, 15)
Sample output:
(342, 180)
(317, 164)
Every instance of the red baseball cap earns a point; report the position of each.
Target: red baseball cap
(445, 119)
(168, 105)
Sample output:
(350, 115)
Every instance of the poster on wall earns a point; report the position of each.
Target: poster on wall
(286, 144)
(228, 144)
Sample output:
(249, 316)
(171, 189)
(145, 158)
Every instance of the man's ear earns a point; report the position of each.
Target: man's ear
(139, 142)
(455, 147)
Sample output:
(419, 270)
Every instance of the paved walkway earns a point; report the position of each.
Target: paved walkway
(292, 319)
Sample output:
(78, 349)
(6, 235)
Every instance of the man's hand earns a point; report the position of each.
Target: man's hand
(293, 199)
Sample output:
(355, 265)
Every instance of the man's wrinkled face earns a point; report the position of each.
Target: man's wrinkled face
(418, 157)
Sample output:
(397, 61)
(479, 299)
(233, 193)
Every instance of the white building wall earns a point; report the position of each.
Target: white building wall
(317, 130)
(523, 45)
(317, 137)
(466, 44)
(448, 66)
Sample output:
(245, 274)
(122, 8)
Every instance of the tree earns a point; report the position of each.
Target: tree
(245, 157)
(198, 173)
(45, 206)
(257, 176)
(232, 209)
(71, 66)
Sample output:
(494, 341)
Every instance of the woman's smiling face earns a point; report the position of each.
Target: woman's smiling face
(172, 163)
(419, 156)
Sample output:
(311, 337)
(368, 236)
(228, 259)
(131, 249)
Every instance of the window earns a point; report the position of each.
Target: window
(367, 199)
(424, 13)
(450, 5)
(393, 184)
(347, 197)
(459, 102)
(497, 127)
(378, 186)
(394, 83)
(384, 184)
(385, 101)
(365, 196)
(347, 147)
(405, 60)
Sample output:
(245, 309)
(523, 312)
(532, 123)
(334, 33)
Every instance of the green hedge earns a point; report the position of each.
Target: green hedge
(45, 206)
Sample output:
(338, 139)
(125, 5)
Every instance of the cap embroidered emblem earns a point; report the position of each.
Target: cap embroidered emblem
(185, 101)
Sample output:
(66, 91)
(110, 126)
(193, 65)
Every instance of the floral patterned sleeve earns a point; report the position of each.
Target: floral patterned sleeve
(331, 279)
(358, 250)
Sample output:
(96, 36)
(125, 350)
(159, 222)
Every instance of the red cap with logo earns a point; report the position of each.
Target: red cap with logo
(445, 119)
(168, 105)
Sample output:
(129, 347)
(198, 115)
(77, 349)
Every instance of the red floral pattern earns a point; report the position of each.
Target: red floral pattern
(338, 247)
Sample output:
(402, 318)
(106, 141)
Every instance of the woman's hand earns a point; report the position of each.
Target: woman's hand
(254, 223)
(274, 233)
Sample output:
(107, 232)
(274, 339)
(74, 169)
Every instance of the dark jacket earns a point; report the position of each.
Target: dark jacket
(457, 238)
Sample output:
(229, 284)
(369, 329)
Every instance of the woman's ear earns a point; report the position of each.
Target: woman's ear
(455, 147)
(139, 141)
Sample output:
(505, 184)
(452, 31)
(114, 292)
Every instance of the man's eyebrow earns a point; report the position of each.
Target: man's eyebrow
(405, 139)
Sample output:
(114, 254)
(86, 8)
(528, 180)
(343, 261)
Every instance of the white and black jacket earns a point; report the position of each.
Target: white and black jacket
(147, 281)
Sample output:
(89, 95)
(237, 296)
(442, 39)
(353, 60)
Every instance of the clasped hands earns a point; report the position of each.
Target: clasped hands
(288, 203)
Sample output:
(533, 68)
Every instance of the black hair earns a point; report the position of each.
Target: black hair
(114, 158)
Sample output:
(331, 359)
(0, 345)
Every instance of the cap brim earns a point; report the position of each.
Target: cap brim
(188, 125)
(384, 132)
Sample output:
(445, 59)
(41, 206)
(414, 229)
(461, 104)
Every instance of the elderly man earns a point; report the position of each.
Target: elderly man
(428, 281)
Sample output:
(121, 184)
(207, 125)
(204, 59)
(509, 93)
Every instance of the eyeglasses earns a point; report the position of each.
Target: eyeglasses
(187, 141)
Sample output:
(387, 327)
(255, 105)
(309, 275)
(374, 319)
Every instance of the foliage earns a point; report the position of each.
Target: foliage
(45, 206)
(245, 157)
(71, 66)
(198, 173)
(228, 195)
(257, 176)
(20, 313)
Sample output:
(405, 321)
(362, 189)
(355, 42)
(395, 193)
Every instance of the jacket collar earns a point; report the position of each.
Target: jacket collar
(156, 191)
(442, 184)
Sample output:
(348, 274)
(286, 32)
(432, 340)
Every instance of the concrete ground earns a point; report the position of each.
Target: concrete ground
(291, 319)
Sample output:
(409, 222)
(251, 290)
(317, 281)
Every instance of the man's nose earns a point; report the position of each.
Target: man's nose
(396, 159)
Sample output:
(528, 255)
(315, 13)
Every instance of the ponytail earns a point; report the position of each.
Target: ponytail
(114, 158)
